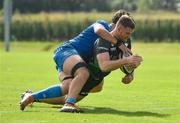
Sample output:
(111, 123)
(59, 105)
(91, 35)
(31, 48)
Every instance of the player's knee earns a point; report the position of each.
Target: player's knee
(65, 84)
(65, 87)
(81, 70)
(96, 89)
(99, 89)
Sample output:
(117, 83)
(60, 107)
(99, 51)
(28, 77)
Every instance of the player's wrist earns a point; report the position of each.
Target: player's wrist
(124, 61)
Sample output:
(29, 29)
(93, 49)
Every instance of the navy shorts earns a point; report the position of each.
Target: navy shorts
(62, 53)
(95, 78)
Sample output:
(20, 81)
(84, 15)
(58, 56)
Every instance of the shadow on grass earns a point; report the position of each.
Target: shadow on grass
(108, 110)
(105, 110)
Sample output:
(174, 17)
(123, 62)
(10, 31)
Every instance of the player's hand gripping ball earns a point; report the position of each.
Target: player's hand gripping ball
(125, 69)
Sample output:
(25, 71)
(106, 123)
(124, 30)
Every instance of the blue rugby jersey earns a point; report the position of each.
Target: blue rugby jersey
(84, 42)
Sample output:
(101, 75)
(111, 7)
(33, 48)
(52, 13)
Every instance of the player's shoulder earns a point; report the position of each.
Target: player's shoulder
(102, 46)
(102, 22)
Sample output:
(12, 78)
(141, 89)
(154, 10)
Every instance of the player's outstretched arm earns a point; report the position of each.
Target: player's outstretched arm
(107, 65)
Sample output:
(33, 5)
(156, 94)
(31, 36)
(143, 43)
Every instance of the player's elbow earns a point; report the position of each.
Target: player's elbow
(99, 31)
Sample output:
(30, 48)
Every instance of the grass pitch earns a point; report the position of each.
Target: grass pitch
(154, 95)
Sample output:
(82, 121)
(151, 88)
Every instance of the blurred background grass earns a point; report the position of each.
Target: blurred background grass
(57, 20)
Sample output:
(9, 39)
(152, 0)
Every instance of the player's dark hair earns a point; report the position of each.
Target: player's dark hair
(118, 14)
(126, 21)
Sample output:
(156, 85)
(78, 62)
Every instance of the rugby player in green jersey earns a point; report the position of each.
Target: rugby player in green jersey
(106, 59)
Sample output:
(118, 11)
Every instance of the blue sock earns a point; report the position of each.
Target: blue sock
(50, 92)
(70, 100)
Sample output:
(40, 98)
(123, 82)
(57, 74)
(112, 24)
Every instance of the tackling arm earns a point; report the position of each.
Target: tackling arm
(103, 33)
(106, 35)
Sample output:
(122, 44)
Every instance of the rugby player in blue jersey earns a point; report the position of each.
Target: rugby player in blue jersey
(57, 91)
(72, 56)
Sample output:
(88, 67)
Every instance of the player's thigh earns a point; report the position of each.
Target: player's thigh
(70, 62)
(97, 88)
(65, 57)
(62, 76)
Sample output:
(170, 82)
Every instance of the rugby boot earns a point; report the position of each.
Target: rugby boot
(71, 108)
(26, 99)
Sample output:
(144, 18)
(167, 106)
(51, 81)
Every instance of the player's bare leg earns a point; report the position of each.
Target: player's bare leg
(51, 92)
(75, 66)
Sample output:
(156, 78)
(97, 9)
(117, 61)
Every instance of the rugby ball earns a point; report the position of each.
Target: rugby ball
(125, 69)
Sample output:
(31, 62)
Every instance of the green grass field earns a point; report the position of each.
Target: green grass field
(154, 95)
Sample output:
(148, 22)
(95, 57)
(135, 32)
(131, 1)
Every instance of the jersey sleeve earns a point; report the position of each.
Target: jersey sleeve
(102, 46)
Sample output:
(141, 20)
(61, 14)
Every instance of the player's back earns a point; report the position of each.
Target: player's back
(84, 42)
